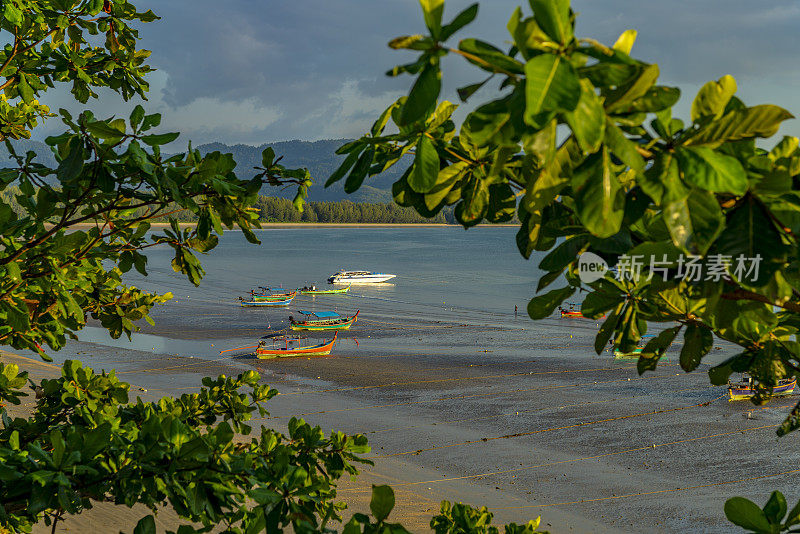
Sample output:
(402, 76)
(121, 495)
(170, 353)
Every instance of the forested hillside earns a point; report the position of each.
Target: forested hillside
(275, 209)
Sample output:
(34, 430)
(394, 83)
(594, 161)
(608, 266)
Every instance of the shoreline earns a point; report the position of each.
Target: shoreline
(292, 225)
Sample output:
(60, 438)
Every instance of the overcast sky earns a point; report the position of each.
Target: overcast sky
(257, 71)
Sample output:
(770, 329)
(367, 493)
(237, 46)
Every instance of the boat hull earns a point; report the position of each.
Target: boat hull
(633, 355)
(325, 291)
(745, 393)
(371, 279)
(257, 303)
(575, 314)
(297, 327)
(273, 298)
(318, 326)
(317, 350)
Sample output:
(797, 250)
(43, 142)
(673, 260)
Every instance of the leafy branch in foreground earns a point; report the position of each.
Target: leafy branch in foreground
(580, 140)
(86, 443)
(769, 520)
(112, 177)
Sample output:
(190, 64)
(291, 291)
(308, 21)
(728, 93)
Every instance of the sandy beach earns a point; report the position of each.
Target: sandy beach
(580, 439)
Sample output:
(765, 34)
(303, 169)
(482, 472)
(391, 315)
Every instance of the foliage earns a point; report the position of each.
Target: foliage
(52, 272)
(581, 142)
(769, 520)
(88, 43)
(85, 442)
(455, 518)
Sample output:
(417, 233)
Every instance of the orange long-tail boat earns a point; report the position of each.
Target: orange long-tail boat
(289, 346)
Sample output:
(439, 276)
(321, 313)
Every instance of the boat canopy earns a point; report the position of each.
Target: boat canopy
(320, 314)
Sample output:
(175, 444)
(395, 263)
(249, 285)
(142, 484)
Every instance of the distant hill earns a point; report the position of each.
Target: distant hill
(319, 157)
(45, 155)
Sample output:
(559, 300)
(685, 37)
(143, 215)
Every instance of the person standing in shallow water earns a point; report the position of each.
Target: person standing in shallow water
(515, 310)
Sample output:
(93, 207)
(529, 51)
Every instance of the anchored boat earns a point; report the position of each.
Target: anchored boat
(271, 293)
(632, 355)
(254, 302)
(288, 346)
(572, 311)
(313, 290)
(745, 389)
(325, 320)
(359, 277)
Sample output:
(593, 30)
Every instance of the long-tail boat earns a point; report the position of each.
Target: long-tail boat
(572, 311)
(632, 355)
(282, 302)
(289, 346)
(267, 293)
(313, 290)
(745, 389)
(325, 320)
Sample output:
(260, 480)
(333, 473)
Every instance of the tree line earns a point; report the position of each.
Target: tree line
(280, 210)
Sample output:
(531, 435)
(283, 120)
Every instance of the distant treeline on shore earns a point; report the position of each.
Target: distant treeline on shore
(280, 210)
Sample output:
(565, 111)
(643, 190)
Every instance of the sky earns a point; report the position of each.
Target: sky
(260, 71)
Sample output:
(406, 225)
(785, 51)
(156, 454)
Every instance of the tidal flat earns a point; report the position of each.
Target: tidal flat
(460, 398)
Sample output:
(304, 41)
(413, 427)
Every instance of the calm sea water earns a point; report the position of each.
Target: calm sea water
(439, 269)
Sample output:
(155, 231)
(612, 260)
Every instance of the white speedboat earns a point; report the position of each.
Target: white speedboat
(359, 277)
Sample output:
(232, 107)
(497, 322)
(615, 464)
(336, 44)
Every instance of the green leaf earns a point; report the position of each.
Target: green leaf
(553, 17)
(757, 121)
(25, 90)
(426, 166)
(382, 501)
(432, 12)
(267, 157)
(461, 20)
(662, 181)
(445, 181)
(694, 223)
(625, 41)
(564, 254)
(551, 84)
(588, 120)
(746, 514)
(697, 342)
(606, 331)
(346, 165)
(655, 348)
(794, 516)
(712, 98)
(493, 59)
(136, 116)
(544, 305)
(749, 232)
(621, 98)
(160, 139)
(72, 165)
(599, 197)
(775, 508)
(104, 130)
(146, 525)
(623, 148)
(423, 95)
(359, 171)
(711, 170)
(657, 98)
(476, 201)
(599, 301)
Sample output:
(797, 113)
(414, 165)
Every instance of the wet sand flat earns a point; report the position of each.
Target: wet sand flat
(523, 418)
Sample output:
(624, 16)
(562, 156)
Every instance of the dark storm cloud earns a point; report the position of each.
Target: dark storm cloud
(257, 71)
